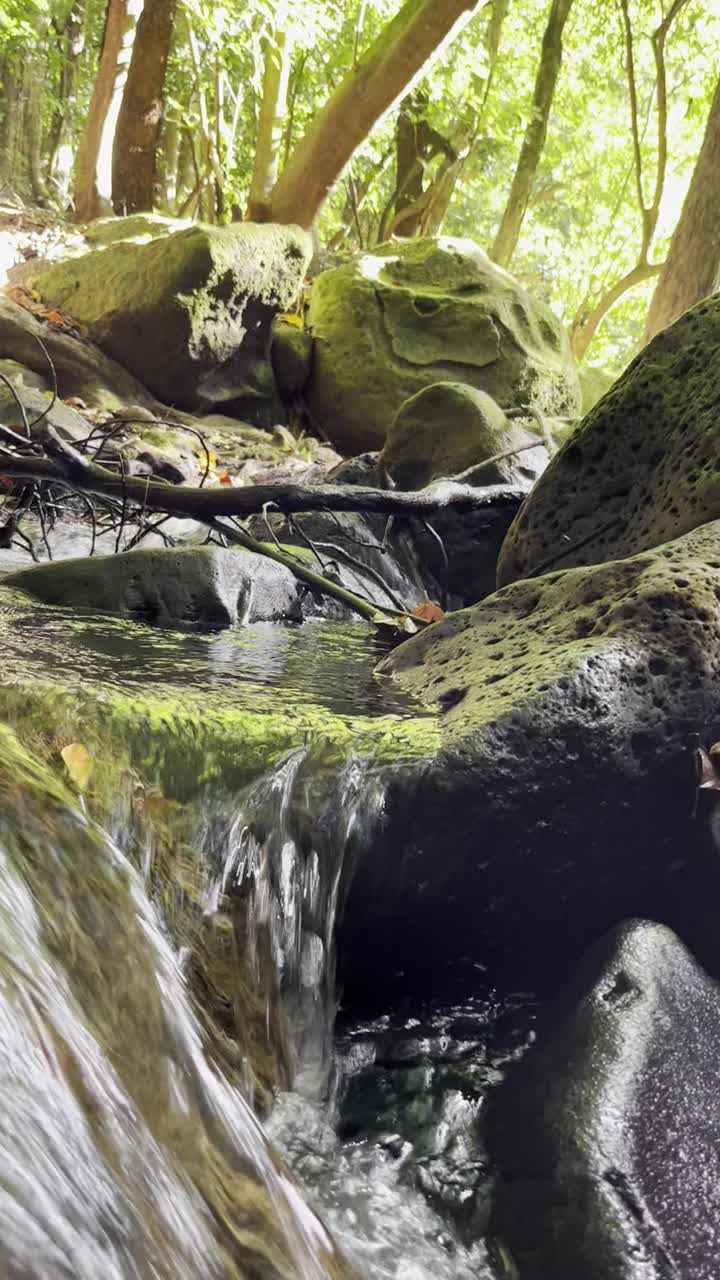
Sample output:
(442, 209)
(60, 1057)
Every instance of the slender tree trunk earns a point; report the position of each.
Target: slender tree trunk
(71, 43)
(87, 201)
(385, 72)
(692, 267)
(138, 126)
(168, 164)
(11, 86)
(273, 105)
(508, 233)
(587, 323)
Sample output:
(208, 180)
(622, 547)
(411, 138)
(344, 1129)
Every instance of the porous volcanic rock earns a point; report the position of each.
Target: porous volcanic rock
(607, 1134)
(189, 313)
(561, 799)
(643, 467)
(406, 315)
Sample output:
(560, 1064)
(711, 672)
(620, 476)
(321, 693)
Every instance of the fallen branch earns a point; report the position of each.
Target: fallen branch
(207, 504)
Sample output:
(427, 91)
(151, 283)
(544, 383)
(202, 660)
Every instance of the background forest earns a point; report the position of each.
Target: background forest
(561, 137)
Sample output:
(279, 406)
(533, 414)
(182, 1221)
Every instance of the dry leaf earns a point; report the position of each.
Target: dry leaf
(79, 764)
(55, 317)
(428, 611)
(224, 477)
(288, 318)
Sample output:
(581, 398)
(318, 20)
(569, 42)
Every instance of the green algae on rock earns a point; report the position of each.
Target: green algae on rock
(560, 800)
(643, 467)
(449, 427)
(188, 313)
(409, 314)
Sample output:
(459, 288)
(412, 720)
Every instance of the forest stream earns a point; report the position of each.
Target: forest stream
(113, 929)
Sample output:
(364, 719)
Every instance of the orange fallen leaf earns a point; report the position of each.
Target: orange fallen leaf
(428, 611)
(224, 477)
(55, 317)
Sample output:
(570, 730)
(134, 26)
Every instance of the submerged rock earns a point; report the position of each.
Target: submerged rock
(407, 315)
(206, 294)
(561, 798)
(449, 427)
(204, 587)
(607, 1134)
(643, 467)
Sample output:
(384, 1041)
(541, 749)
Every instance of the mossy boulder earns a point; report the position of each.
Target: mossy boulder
(606, 1135)
(561, 799)
(291, 354)
(404, 316)
(199, 587)
(449, 427)
(594, 384)
(189, 313)
(643, 467)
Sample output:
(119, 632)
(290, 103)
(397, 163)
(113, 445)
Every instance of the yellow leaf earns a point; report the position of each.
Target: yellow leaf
(79, 764)
(288, 318)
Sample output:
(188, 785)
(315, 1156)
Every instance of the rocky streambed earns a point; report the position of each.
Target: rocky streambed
(441, 913)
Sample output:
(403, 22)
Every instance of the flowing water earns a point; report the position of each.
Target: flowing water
(164, 971)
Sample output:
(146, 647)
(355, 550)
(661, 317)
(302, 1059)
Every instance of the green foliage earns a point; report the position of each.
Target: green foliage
(582, 231)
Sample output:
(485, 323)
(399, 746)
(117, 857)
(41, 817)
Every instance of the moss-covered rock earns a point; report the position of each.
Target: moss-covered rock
(189, 313)
(407, 315)
(447, 428)
(643, 467)
(606, 1135)
(291, 354)
(201, 587)
(561, 799)
(594, 383)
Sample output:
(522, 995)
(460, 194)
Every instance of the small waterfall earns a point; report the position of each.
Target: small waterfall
(124, 1151)
(282, 857)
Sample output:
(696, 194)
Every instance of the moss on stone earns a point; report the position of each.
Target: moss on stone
(405, 316)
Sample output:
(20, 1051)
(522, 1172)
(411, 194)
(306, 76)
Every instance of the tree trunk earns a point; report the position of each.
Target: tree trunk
(586, 323)
(71, 44)
(87, 200)
(508, 233)
(138, 126)
(375, 83)
(692, 267)
(276, 51)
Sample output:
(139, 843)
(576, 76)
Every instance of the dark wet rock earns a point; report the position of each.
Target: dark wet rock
(363, 469)
(82, 369)
(291, 351)
(211, 292)
(561, 799)
(449, 427)
(607, 1134)
(350, 547)
(412, 313)
(644, 465)
(204, 587)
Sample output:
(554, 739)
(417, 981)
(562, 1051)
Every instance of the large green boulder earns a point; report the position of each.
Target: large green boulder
(449, 427)
(189, 312)
(395, 320)
(561, 799)
(643, 467)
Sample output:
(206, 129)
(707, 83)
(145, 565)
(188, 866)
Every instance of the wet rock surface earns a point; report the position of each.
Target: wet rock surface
(408, 315)
(607, 1133)
(561, 799)
(203, 587)
(642, 467)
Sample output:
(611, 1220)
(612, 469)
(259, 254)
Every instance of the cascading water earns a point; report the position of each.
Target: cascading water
(160, 975)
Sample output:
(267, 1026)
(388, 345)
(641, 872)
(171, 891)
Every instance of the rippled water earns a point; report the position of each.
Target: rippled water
(151, 977)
